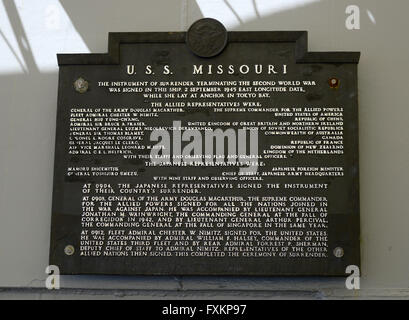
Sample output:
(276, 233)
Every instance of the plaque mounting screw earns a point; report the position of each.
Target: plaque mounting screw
(69, 250)
(334, 83)
(338, 252)
(81, 85)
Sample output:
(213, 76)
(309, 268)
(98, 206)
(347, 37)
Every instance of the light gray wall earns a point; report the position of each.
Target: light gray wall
(27, 126)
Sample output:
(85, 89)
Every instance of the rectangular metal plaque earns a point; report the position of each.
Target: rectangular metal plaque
(206, 153)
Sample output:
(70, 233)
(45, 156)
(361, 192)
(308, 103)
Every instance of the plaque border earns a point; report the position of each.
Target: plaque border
(351, 221)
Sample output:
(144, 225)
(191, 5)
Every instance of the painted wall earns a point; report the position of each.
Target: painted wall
(32, 32)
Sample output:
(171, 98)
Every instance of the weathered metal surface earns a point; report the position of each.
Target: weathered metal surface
(335, 75)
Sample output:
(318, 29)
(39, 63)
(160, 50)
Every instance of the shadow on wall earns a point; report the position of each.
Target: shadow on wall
(20, 36)
(92, 21)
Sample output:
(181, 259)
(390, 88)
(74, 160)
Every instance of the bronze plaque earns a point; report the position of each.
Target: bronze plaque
(206, 153)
